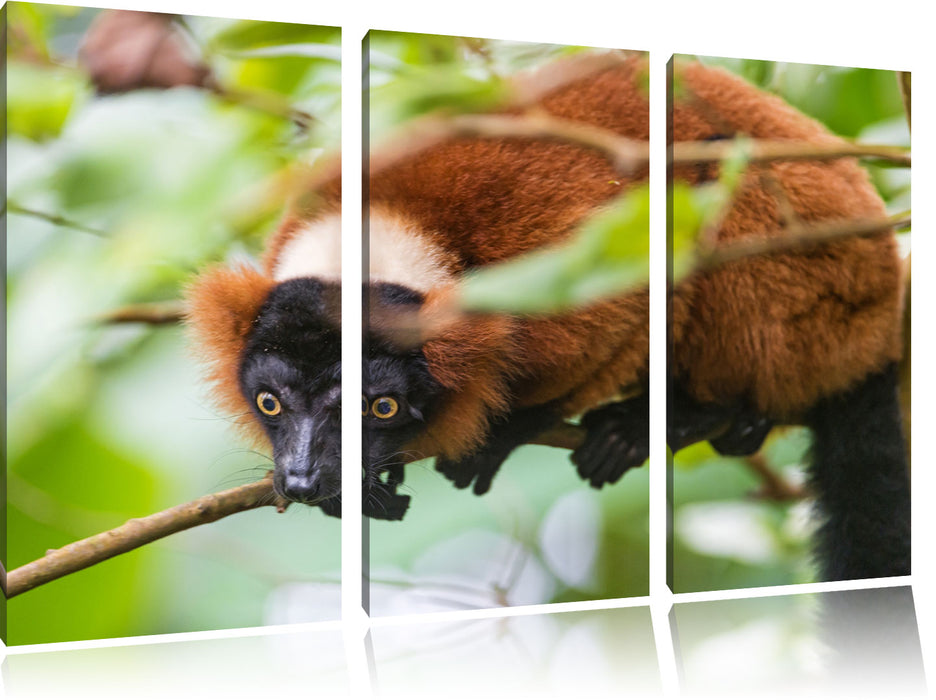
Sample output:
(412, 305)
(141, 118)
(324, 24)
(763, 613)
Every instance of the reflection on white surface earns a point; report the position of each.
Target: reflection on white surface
(847, 643)
(248, 667)
(474, 569)
(580, 654)
(844, 644)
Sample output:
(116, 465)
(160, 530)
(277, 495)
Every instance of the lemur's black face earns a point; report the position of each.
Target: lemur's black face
(291, 376)
(399, 395)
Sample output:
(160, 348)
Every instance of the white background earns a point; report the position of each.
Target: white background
(807, 31)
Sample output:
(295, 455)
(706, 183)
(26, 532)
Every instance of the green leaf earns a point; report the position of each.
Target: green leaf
(248, 35)
(40, 99)
(448, 90)
(418, 49)
(608, 255)
(687, 215)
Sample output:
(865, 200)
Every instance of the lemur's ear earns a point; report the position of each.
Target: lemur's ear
(221, 306)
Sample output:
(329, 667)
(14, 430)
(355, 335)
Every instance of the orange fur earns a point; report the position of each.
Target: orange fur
(221, 306)
(474, 361)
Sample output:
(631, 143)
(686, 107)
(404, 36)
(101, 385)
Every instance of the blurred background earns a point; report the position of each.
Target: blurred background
(158, 145)
(744, 522)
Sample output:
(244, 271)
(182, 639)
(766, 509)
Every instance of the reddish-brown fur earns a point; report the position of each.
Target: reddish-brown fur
(222, 304)
(786, 329)
(782, 330)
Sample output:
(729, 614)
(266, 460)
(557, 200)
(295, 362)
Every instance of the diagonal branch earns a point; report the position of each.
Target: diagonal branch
(139, 531)
(207, 509)
(797, 237)
(54, 219)
(153, 313)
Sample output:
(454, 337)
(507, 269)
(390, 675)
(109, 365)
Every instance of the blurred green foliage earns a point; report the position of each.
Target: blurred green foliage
(119, 199)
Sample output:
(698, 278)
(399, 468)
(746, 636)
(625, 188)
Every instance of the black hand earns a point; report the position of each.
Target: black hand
(617, 438)
(504, 437)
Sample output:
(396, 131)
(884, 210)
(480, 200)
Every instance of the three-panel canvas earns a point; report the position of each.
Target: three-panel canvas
(174, 306)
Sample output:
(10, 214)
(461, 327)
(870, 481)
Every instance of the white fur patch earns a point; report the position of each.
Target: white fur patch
(315, 251)
(400, 254)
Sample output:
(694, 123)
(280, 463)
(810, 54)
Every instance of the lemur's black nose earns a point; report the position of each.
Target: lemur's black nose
(309, 485)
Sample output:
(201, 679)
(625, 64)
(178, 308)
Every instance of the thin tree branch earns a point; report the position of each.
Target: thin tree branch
(765, 151)
(564, 435)
(265, 103)
(773, 486)
(139, 531)
(55, 219)
(154, 314)
(797, 237)
(627, 155)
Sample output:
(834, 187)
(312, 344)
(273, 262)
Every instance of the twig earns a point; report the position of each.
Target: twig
(55, 219)
(626, 154)
(773, 487)
(765, 151)
(139, 531)
(797, 238)
(154, 314)
(564, 435)
(266, 103)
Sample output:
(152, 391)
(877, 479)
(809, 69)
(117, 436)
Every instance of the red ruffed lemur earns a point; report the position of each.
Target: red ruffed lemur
(805, 336)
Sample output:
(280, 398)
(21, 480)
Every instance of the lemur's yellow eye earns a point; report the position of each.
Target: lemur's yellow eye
(268, 404)
(385, 407)
(364, 405)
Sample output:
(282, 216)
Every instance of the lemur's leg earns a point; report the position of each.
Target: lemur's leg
(504, 436)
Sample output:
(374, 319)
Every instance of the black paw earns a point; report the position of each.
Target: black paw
(734, 431)
(689, 422)
(389, 507)
(504, 436)
(744, 436)
(479, 468)
(380, 498)
(617, 438)
(331, 506)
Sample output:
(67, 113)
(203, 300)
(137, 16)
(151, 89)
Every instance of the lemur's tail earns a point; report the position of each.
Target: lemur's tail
(860, 475)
